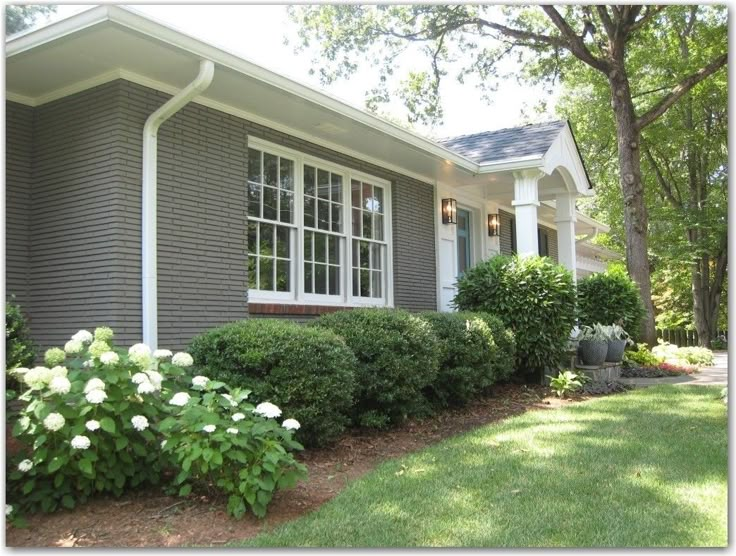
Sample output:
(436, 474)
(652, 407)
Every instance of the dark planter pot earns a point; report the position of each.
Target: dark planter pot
(615, 350)
(593, 352)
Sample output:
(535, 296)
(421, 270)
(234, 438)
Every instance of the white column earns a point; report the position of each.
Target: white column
(525, 203)
(565, 220)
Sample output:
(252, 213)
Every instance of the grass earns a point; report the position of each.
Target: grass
(642, 469)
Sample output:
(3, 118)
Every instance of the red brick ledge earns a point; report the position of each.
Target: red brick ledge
(286, 309)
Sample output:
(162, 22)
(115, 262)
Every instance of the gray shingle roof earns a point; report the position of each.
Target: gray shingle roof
(513, 142)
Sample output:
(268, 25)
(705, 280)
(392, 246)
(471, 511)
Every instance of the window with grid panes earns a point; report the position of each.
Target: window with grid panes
(368, 244)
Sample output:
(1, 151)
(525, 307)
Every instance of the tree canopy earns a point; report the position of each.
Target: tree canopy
(21, 17)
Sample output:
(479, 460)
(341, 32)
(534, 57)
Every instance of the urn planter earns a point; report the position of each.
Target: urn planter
(593, 352)
(615, 351)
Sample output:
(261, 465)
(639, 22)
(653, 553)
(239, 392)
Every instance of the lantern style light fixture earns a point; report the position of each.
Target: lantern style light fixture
(494, 225)
(449, 211)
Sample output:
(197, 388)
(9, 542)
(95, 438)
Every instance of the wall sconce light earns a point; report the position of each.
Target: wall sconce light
(494, 225)
(449, 211)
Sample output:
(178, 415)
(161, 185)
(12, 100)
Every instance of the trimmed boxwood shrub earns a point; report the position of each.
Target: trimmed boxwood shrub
(308, 372)
(609, 297)
(467, 358)
(533, 296)
(397, 355)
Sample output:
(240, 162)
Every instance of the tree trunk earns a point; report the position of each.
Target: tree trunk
(701, 310)
(635, 211)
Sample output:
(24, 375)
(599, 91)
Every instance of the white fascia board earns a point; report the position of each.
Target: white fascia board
(510, 164)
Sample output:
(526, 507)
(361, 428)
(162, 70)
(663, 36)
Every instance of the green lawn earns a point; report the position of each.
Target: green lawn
(645, 468)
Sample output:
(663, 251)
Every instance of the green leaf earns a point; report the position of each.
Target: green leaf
(121, 442)
(185, 490)
(28, 486)
(56, 463)
(85, 466)
(68, 502)
(107, 425)
(40, 439)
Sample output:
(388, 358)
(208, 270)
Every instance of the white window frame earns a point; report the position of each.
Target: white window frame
(297, 295)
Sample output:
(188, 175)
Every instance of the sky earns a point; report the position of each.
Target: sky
(257, 33)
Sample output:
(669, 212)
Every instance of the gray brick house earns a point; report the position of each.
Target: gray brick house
(257, 197)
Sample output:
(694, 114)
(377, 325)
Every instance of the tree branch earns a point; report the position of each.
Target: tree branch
(679, 90)
(661, 180)
(649, 13)
(574, 43)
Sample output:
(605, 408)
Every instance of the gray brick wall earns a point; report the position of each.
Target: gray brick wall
(18, 179)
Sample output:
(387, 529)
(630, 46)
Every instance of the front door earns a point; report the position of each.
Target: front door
(463, 241)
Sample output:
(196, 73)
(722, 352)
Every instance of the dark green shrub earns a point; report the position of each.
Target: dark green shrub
(609, 297)
(533, 296)
(467, 356)
(19, 349)
(397, 355)
(504, 361)
(308, 372)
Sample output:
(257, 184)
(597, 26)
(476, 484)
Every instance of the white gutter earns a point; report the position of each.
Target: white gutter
(149, 282)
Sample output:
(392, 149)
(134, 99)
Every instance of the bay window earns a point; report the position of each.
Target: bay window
(317, 233)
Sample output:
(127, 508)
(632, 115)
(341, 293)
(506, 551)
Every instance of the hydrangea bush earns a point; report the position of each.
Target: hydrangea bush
(102, 419)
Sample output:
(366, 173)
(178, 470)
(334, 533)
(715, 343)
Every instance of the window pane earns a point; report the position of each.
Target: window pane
(286, 206)
(333, 250)
(253, 237)
(307, 277)
(356, 282)
(309, 212)
(308, 246)
(334, 276)
(309, 177)
(266, 274)
(254, 199)
(336, 188)
(323, 215)
(365, 254)
(355, 192)
(323, 184)
(376, 284)
(270, 196)
(367, 196)
(320, 278)
(367, 225)
(356, 253)
(356, 223)
(377, 227)
(365, 283)
(336, 218)
(282, 276)
(378, 198)
(283, 242)
(252, 273)
(270, 169)
(266, 240)
(287, 174)
(376, 256)
(320, 249)
(254, 166)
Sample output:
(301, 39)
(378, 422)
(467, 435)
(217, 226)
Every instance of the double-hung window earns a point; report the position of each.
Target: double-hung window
(317, 233)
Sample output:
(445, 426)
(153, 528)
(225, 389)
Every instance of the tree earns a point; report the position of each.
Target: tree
(549, 42)
(685, 183)
(20, 18)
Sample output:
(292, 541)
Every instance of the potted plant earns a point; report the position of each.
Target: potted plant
(593, 344)
(617, 340)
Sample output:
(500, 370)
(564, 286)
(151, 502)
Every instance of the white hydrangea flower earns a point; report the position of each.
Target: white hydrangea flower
(146, 388)
(232, 430)
(81, 442)
(103, 333)
(88, 364)
(200, 381)
(73, 346)
(155, 378)
(98, 347)
(140, 354)
(25, 466)
(140, 423)
(54, 421)
(109, 358)
(96, 396)
(84, 336)
(181, 399)
(267, 409)
(182, 359)
(58, 371)
(162, 353)
(8, 509)
(139, 378)
(60, 385)
(20, 372)
(34, 378)
(238, 417)
(92, 425)
(209, 428)
(54, 356)
(93, 384)
(230, 399)
(291, 424)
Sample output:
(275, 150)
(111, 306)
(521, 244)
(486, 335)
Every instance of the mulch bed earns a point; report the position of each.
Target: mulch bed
(148, 518)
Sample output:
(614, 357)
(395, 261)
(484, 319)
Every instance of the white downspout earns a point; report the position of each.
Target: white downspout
(148, 202)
